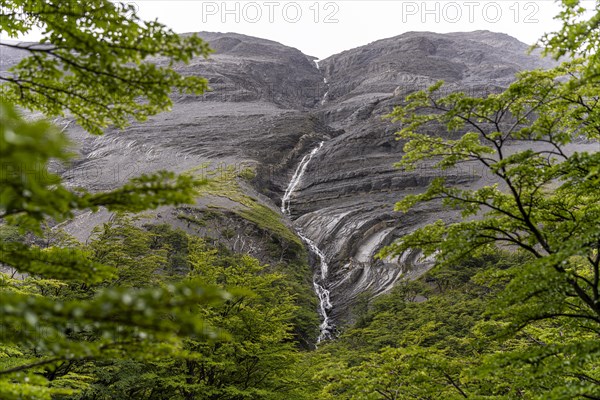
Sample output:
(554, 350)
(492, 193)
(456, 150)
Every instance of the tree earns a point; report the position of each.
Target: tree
(93, 61)
(94, 66)
(544, 201)
(533, 140)
(578, 37)
(428, 349)
(257, 360)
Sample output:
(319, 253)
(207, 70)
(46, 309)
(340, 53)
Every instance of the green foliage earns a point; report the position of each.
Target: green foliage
(153, 329)
(117, 317)
(542, 202)
(95, 62)
(140, 258)
(29, 195)
(259, 319)
(578, 36)
(247, 173)
(289, 259)
(61, 305)
(225, 184)
(405, 349)
(53, 263)
(269, 220)
(26, 186)
(494, 325)
(255, 360)
(176, 242)
(447, 345)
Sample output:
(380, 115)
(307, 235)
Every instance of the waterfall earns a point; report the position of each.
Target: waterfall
(285, 201)
(325, 329)
(320, 278)
(324, 99)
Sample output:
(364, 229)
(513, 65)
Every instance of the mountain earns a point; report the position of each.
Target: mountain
(346, 201)
(271, 106)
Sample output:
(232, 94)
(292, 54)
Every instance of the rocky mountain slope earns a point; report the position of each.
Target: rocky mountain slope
(346, 201)
(270, 106)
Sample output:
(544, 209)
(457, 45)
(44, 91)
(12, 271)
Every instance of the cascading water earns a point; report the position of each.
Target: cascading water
(325, 329)
(324, 99)
(319, 279)
(285, 200)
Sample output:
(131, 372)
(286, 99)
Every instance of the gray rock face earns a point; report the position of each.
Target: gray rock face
(256, 114)
(416, 59)
(248, 69)
(271, 106)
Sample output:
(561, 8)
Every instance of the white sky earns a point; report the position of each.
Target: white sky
(323, 28)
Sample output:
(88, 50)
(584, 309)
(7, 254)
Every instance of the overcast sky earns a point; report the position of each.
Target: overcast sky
(323, 28)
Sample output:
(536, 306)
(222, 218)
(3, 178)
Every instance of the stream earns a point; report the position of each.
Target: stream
(320, 277)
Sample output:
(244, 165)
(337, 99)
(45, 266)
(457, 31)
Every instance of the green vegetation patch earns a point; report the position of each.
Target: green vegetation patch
(223, 182)
(269, 220)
